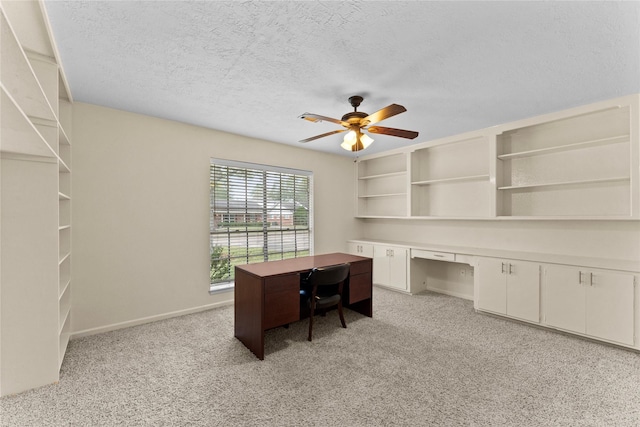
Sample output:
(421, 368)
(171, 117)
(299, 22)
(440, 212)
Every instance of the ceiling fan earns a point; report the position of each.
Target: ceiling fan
(356, 122)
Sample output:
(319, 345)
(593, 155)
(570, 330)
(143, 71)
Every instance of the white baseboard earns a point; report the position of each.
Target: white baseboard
(451, 293)
(143, 320)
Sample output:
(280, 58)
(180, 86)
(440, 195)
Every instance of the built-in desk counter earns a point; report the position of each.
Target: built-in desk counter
(592, 297)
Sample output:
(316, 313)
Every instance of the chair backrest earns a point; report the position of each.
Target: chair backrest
(330, 275)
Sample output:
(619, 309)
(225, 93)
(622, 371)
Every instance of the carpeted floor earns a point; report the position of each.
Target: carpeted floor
(424, 360)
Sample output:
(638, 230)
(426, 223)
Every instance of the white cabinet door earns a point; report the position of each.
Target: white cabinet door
(366, 250)
(492, 294)
(591, 302)
(353, 248)
(390, 266)
(609, 306)
(509, 287)
(565, 298)
(523, 290)
(398, 268)
(381, 265)
(360, 249)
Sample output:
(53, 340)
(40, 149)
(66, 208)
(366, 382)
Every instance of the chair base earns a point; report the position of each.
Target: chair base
(323, 313)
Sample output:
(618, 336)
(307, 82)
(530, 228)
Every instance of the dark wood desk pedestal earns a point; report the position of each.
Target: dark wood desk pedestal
(267, 294)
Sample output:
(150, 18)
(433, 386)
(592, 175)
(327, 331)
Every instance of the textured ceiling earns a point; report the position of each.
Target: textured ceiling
(252, 67)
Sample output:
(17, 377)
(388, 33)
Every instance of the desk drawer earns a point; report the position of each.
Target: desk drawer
(360, 267)
(281, 300)
(442, 256)
(359, 288)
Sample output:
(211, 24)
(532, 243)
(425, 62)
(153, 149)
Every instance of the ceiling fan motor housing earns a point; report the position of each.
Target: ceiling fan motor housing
(354, 117)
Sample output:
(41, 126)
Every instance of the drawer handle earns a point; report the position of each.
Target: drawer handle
(438, 256)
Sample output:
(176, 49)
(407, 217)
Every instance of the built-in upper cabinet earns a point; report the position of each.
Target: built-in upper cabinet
(581, 163)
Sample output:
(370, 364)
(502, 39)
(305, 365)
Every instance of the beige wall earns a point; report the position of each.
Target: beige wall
(140, 209)
(598, 239)
(140, 217)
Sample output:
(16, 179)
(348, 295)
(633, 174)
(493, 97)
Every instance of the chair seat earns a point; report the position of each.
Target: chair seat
(329, 301)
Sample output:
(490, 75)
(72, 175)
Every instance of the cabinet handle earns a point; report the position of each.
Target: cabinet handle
(391, 252)
(590, 279)
(510, 269)
(503, 269)
(579, 277)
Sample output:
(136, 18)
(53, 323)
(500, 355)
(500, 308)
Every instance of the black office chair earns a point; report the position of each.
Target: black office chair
(322, 289)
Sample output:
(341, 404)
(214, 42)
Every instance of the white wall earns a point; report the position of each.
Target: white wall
(140, 212)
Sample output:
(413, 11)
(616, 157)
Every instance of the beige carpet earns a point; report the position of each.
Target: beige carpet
(425, 360)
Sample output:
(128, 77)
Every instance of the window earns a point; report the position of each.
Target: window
(257, 213)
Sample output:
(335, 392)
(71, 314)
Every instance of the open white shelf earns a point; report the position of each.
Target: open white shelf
(565, 147)
(456, 179)
(384, 175)
(19, 78)
(19, 135)
(382, 195)
(556, 184)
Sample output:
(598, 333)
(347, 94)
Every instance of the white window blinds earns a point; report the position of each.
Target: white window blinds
(257, 213)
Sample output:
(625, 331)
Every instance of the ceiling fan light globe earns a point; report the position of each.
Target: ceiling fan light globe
(366, 140)
(347, 146)
(349, 140)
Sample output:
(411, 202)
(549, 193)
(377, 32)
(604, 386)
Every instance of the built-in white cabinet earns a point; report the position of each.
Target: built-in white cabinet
(390, 266)
(581, 163)
(509, 287)
(35, 156)
(597, 303)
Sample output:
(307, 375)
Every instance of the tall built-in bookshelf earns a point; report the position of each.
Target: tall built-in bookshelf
(36, 226)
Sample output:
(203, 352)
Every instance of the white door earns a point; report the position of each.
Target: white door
(523, 290)
(366, 250)
(353, 248)
(565, 298)
(381, 265)
(360, 249)
(609, 309)
(398, 268)
(492, 294)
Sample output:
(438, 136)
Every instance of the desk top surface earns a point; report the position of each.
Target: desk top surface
(294, 265)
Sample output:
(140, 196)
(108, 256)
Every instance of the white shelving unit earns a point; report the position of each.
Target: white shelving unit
(450, 178)
(577, 165)
(581, 163)
(35, 151)
(382, 186)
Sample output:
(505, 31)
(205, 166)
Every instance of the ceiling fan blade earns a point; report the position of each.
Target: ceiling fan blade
(385, 113)
(318, 118)
(323, 135)
(409, 134)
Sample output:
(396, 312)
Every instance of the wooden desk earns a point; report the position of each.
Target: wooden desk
(267, 294)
